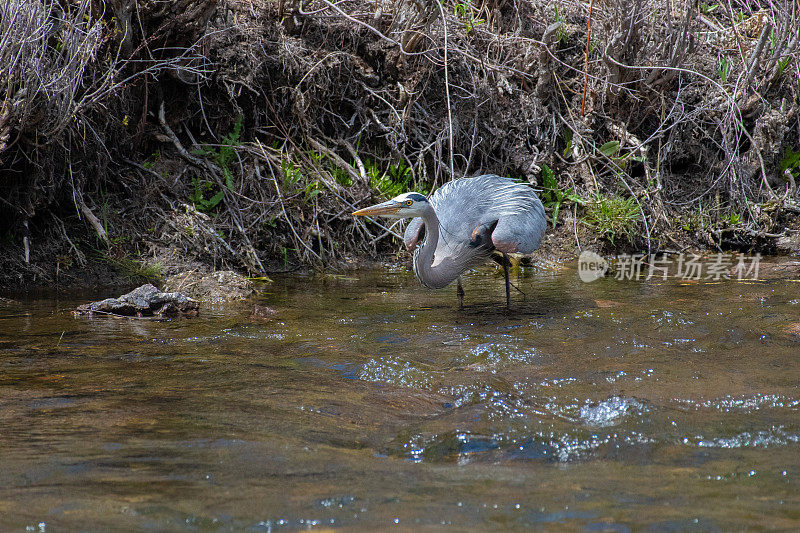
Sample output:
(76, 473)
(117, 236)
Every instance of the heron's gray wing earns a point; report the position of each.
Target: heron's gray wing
(465, 204)
(517, 235)
(521, 232)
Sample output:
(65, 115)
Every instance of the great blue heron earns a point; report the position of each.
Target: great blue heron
(463, 223)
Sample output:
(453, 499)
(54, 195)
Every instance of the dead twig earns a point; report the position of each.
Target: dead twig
(586, 62)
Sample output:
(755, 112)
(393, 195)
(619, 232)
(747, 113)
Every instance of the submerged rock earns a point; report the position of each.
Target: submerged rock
(263, 312)
(146, 300)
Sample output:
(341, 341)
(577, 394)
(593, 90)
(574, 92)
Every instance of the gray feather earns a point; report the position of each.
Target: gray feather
(464, 204)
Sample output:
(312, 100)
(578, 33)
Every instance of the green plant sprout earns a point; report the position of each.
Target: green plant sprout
(552, 196)
(724, 70)
(466, 11)
(569, 147)
(783, 63)
(560, 35)
(611, 149)
(222, 155)
(790, 162)
(707, 9)
(397, 179)
(733, 218)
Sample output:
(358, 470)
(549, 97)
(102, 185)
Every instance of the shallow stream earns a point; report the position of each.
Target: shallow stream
(368, 402)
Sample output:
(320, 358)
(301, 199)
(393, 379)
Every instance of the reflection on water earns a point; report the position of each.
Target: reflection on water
(370, 402)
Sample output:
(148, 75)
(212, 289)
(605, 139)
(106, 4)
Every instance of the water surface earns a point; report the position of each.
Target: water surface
(368, 402)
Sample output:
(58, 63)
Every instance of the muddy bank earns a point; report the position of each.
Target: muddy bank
(139, 140)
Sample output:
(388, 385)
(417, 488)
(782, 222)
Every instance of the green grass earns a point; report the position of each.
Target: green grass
(724, 70)
(395, 180)
(612, 216)
(341, 177)
(292, 175)
(553, 196)
(791, 162)
(465, 11)
(559, 18)
(134, 269)
(206, 195)
(783, 63)
(707, 9)
(733, 218)
(694, 220)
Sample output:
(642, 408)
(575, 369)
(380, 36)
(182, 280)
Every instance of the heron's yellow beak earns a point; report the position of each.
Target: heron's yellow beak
(386, 208)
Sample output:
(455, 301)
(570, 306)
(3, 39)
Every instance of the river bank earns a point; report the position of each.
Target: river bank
(139, 140)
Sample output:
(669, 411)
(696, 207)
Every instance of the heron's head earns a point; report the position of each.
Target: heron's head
(409, 204)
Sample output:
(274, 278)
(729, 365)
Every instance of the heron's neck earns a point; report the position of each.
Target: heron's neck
(443, 273)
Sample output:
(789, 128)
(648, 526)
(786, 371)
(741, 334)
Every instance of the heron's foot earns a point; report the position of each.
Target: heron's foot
(460, 294)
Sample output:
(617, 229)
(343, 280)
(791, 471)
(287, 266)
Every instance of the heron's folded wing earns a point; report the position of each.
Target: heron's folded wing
(522, 232)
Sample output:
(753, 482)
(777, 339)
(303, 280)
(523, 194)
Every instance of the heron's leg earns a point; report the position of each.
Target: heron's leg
(508, 282)
(460, 294)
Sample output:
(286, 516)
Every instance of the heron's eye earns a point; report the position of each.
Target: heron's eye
(409, 202)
